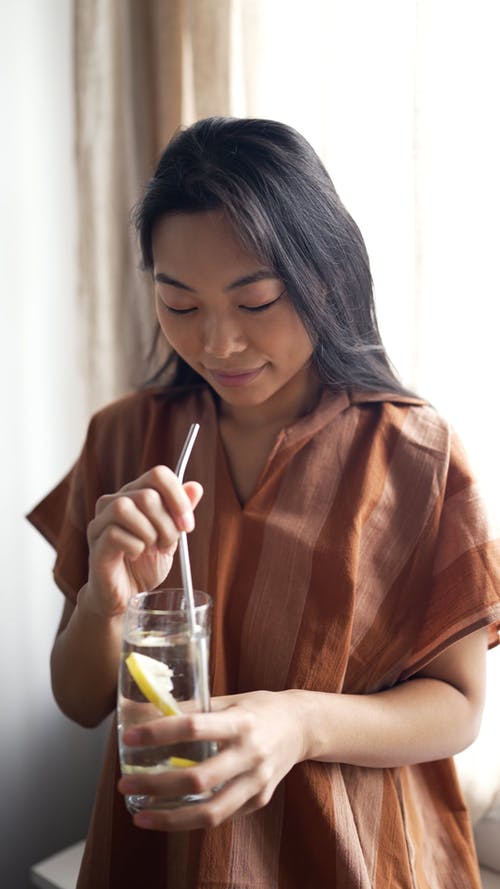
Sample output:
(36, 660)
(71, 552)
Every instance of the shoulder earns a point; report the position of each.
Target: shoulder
(138, 431)
(141, 410)
(137, 404)
(412, 437)
(417, 425)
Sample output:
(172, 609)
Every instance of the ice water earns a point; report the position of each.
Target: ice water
(187, 658)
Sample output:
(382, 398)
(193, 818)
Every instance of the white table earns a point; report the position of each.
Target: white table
(60, 871)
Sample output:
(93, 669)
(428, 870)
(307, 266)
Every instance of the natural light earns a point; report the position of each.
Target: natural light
(400, 99)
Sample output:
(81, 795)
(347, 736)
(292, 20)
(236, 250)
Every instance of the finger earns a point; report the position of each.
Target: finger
(116, 541)
(175, 499)
(170, 784)
(200, 779)
(141, 514)
(194, 491)
(150, 505)
(222, 702)
(223, 726)
(225, 803)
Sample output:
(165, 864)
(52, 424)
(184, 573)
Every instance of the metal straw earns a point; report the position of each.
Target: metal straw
(187, 581)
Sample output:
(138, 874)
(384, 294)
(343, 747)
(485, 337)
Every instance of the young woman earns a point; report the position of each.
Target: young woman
(338, 531)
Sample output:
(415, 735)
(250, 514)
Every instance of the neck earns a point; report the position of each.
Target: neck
(297, 398)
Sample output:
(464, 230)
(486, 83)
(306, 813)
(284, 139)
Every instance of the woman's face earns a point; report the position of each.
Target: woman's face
(226, 314)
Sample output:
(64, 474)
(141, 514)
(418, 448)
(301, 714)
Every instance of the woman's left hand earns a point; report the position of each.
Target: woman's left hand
(260, 739)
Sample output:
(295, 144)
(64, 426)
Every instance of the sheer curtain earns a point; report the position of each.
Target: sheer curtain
(399, 99)
(141, 70)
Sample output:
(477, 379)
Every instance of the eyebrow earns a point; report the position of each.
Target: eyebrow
(252, 278)
(166, 279)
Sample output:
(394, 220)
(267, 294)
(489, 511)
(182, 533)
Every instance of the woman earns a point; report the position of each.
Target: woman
(337, 529)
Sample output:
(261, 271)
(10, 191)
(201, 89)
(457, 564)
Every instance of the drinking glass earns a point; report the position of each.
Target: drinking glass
(157, 625)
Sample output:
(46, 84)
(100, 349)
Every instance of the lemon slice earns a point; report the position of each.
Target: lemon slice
(143, 770)
(173, 762)
(154, 680)
(178, 762)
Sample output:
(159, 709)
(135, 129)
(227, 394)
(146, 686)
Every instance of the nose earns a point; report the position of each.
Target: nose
(222, 336)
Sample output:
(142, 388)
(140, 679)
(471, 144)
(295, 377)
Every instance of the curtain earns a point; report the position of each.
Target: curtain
(398, 98)
(142, 69)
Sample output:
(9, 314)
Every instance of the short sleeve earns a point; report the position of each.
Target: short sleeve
(123, 439)
(464, 591)
(62, 518)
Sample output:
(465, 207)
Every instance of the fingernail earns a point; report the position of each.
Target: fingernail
(142, 819)
(187, 521)
(132, 736)
(129, 785)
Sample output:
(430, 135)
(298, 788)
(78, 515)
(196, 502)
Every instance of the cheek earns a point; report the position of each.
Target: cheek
(294, 341)
(294, 326)
(178, 338)
(165, 329)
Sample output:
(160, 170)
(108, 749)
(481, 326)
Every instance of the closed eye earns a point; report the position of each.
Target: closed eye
(264, 306)
(179, 311)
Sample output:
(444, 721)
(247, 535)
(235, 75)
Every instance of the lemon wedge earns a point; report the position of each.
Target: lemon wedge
(143, 770)
(154, 679)
(173, 762)
(178, 762)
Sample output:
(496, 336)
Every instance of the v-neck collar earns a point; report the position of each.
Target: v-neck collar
(290, 438)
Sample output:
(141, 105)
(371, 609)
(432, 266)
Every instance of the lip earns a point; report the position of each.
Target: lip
(235, 377)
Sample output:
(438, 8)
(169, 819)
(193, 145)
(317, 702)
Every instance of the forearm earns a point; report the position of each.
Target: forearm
(420, 720)
(263, 734)
(84, 664)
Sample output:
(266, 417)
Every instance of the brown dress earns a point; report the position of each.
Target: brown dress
(362, 554)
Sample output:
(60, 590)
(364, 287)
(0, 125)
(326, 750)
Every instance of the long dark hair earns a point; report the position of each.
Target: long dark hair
(285, 209)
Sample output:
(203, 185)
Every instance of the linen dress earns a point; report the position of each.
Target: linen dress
(361, 555)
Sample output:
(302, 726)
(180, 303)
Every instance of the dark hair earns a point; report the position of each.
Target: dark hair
(284, 208)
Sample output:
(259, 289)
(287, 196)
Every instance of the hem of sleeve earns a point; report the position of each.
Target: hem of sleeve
(34, 519)
(66, 588)
(489, 617)
(48, 534)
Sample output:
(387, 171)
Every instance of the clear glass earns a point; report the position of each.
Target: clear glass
(156, 624)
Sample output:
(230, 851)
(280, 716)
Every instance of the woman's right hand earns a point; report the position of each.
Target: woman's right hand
(133, 537)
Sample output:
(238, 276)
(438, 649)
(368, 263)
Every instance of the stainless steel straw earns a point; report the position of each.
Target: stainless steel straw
(187, 581)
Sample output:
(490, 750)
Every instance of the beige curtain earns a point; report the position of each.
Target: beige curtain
(142, 69)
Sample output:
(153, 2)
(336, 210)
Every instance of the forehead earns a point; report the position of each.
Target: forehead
(194, 239)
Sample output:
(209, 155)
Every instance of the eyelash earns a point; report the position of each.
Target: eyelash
(178, 311)
(251, 309)
(263, 307)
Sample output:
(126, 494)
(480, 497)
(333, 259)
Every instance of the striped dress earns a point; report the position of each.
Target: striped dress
(361, 555)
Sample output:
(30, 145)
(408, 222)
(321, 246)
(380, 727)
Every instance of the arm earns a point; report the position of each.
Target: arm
(84, 662)
(264, 734)
(132, 540)
(433, 715)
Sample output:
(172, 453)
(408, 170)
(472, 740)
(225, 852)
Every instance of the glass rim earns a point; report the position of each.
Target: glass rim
(135, 602)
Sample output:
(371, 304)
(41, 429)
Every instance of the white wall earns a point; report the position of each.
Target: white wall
(47, 765)
(399, 99)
